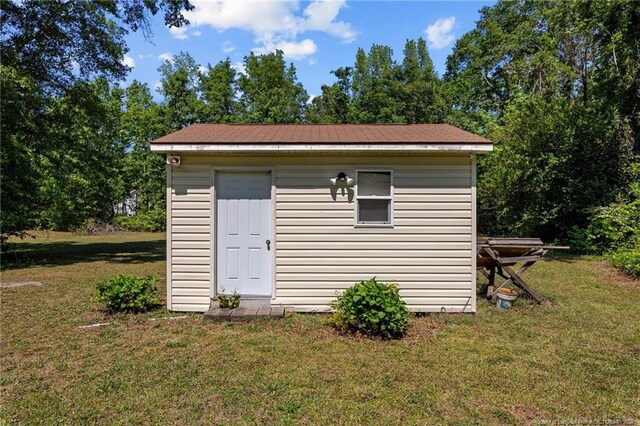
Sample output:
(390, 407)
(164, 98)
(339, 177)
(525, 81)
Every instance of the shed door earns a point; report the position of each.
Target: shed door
(244, 227)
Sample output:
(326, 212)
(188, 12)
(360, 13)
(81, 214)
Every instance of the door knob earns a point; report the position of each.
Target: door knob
(268, 244)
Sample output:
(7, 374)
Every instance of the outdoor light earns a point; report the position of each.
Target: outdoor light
(341, 179)
(173, 160)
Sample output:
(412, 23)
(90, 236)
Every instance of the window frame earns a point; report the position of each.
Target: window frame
(389, 197)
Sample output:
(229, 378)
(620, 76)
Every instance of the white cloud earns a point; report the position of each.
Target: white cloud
(312, 61)
(321, 15)
(239, 67)
(274, 24)
(179, 32)
(311, 98)
(290, 49)
(166, 56)
(182, 33)
(202, 69)
(228, 47)
(157, 85)
(440, 33)
(128, 61)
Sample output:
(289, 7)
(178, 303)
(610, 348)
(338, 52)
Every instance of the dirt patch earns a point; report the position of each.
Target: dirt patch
(20, 284)
(616, 276)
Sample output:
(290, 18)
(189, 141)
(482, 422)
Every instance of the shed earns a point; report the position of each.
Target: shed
(291, 215)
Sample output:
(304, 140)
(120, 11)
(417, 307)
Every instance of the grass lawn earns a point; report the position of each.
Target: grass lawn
(576, 357)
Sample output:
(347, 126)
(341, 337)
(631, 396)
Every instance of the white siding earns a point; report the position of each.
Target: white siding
(190, 238)
(427, 252)
(318, 250)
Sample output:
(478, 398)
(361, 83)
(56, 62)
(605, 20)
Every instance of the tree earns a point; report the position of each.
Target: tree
(80, 180)
(553, 161)
(143, 170)
(180, 87)
(423, 102)
(540, 79)
(270, 91)
(48, 49)
(614, 66)
(219, 93)
(379, 90)
(22, 117)
(334, 105)
(377, 87)
(45, 39)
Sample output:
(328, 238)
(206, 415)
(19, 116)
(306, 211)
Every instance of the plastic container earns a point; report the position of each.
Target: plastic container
(505, 298)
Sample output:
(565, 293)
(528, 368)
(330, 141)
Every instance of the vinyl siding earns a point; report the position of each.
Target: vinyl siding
(318, 250)
(190, 256)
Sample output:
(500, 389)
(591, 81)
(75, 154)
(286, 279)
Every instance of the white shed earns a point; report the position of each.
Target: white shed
(291, 215)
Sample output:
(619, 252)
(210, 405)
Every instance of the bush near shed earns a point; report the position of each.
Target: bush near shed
(127, 293)
(372, 308)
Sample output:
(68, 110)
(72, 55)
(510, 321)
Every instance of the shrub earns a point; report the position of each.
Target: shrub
(613, 227)
(127, 293)
(228, 300)
(373, 308)
(96, 227)
(627, 259)
(144, 221)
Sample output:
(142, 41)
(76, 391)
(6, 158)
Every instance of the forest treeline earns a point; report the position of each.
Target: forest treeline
(556, 85)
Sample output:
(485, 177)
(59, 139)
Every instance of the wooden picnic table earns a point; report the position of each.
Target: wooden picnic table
(499, 256)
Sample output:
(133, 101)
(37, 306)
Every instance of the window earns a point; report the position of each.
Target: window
(374, 198)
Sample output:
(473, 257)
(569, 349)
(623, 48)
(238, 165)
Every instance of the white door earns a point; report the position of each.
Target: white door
(244, 227)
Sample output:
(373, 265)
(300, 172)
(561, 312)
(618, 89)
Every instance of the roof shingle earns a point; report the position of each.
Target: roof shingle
(321, 134)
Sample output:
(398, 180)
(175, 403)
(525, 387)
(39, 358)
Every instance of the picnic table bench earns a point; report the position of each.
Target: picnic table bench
(499, 256)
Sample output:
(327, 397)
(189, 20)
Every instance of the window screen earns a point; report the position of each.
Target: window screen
(374, 198)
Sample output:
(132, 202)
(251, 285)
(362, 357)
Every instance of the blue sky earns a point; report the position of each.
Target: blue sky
(317, 36)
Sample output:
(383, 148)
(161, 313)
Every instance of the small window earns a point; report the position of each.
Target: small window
(374, 199)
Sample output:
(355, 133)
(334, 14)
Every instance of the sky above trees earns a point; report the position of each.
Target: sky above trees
(316, 36)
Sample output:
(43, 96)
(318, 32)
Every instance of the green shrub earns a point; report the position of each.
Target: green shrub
(612, 227)
(127, 293)
(143, 221)
(373, 308)
(627, 259)
(228, 300)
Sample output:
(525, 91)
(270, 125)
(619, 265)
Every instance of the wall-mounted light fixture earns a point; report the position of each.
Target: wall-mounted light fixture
(341, 179)
(173, 160)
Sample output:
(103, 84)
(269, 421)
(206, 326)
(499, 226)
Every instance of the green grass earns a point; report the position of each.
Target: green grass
(576, 357)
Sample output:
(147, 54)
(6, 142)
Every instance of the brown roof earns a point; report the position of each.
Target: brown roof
(321, 134)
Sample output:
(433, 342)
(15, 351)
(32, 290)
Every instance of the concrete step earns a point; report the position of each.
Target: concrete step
(253, 313)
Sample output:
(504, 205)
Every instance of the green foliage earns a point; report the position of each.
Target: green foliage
(334, 104)
(547, 153)
(79, 179)
(144, 221)
(270, 91)
(143, 171)
(127, 293)
(59, 147)
(555, 85)
(180, 86)
(627, 259)
(42, 38)
(219, 93)
(611, 227)
(377, 89)
(19, 156)
(373, 308)
(231, 300)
